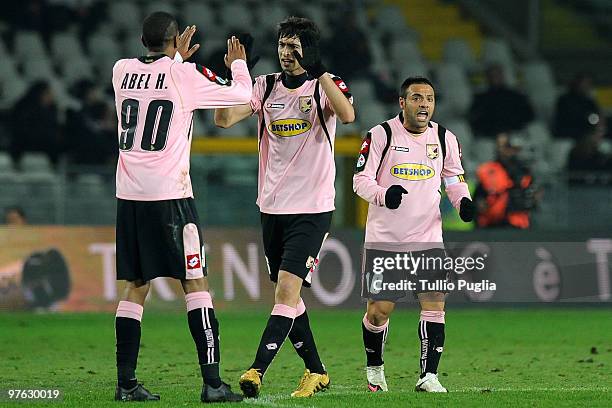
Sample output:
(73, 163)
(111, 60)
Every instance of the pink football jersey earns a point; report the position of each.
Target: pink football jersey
(296, 157)
(155, 98)
(413, 161)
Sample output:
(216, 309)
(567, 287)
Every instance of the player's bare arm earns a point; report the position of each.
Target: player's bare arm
(340, 104)
(227, 117)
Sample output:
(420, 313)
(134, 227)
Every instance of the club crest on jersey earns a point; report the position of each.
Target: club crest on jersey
(306, 103)
(412, 171)
(433, 151)
(193, 261)
(289, 127)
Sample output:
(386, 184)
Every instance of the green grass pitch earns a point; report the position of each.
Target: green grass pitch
(492, 358)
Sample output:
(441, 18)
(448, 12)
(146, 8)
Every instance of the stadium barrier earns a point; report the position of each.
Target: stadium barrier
(73, 269)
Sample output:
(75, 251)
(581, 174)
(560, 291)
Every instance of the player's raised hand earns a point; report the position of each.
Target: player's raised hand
(393, 196)
(183, 42)
(235, 51)
(310, 58)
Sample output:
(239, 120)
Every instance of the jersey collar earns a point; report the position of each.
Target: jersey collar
(147, 59)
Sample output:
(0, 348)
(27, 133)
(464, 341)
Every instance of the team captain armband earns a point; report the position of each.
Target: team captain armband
(449, 181)
(363, 153)
(341, 85)
(211, 75)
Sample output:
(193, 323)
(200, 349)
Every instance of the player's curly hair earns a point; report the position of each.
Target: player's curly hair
(294, 26)
(158, 29)
(413, 80)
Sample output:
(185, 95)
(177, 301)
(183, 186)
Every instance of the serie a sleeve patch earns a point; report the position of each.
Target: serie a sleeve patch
(211, 76)
(364, 152)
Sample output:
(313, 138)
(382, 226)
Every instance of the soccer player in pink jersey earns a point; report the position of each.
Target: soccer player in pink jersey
(297, 110)
(400, 168)
(158, 231)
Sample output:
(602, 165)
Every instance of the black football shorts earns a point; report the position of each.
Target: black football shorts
(159, 239)
(292, 242)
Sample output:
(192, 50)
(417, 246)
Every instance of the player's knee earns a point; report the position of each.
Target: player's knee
(378, 315)
(136, 291)
(195, 285)
(288, 290)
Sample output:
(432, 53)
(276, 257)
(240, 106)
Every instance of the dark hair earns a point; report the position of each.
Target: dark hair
(413, 80)
(158, 29)
(295, 26)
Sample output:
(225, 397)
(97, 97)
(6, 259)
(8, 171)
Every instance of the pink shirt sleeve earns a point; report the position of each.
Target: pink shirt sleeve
(364, 181)
(203, 89)
(452, 173)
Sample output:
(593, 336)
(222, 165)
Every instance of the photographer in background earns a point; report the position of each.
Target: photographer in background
(505, 194)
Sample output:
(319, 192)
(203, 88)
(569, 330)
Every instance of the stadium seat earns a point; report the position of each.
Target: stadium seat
(457, 51)
(65, 46)
(461, 128)
(316, 12)
(496, 51)
(35, 68)
(77, 69)
(362, 90)
(269, 15)
(483, 150)
(166, 6)
(36, 163)
(124, 14)
(370, 114)
(410, 68)
(403, 50)
(28, 46)
(558, 153)
(7, 68)
(236, 16)
(91, 185)
(6, 163)
(537, 74)
(450, 74)
(11, 91)
(390, 19)
(200, 14)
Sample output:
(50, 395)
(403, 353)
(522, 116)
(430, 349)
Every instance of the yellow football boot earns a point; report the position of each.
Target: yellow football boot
(250, 383)
(310, 384)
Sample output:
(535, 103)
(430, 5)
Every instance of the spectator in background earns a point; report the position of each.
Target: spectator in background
(349, 61)
(92, 130)
(500, 108)
(34, 124)
(575, 109)
(587, 162)
(505, 194)
(15, 215)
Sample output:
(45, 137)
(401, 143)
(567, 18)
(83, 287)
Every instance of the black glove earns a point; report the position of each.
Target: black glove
(310, 59)
(393, 196)
(247, 40)
(467, 209)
